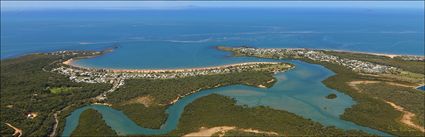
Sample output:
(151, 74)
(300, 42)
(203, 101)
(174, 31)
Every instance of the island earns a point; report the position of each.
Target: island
(331, 96)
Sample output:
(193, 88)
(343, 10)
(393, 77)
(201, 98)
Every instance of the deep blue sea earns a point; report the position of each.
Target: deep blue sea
(185, 37)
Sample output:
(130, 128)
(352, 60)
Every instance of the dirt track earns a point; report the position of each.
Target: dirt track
(407, 115)
(17, 130)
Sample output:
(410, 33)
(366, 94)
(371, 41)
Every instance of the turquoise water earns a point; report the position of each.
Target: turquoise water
(290, 93)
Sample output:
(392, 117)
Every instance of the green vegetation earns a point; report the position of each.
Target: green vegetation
(165, 91)
(369, 111)
(412, 66)
(409, 98)
(148, 117)
(216, 110)
(331, 96)
(92, 124)
(372, 111)
(66, 112)
(45, 93)
(25, 89)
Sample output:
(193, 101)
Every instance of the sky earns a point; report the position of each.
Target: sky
(46, 5)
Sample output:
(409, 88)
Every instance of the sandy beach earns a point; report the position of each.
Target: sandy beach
(207, 132)
(360, 52)
(370, 53)
(70, 62)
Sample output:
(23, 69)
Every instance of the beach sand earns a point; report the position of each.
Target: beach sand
(70, 62)
(207, 132)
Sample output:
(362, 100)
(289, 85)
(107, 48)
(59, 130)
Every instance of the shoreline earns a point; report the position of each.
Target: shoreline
(391, 55)
(423, 85)
(71, 61)
(373, 53)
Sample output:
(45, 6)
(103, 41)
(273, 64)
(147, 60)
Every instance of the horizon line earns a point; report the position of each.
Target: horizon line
(176, 5)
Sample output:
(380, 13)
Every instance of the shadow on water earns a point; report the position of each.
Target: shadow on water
(289, 93)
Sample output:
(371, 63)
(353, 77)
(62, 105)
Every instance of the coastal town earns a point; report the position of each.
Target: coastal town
(116, 77)
(317, 55)
(94, 75)
(412, 58)
(69, 53)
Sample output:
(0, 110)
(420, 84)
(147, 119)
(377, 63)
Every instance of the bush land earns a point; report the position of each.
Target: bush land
(25, 89)
(92, 124)
(217, 110)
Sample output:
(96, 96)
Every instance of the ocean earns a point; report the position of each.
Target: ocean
(182, 38)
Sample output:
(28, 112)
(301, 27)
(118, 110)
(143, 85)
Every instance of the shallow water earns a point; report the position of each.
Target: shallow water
(289, 93)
